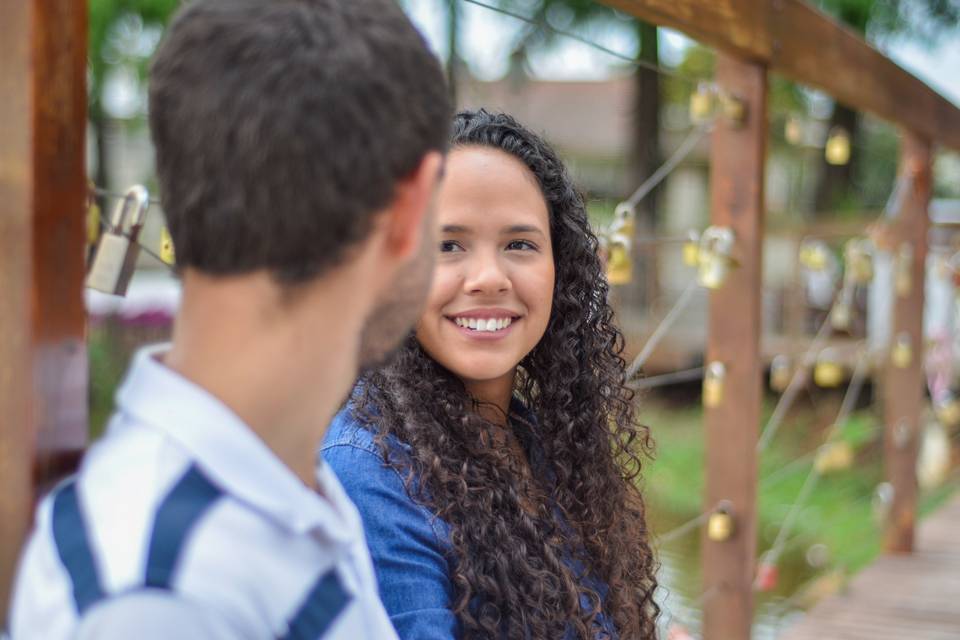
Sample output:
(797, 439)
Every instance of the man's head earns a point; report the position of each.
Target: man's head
(289, 132)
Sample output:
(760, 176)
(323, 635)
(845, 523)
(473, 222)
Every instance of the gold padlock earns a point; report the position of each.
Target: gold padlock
(833, 456)
(902, 353)
(840, 314)
(713, 382)
(733, 108)
(167, 253)
(904, 275)
(691, 249)
(624, 221)
(714, 257)
(780, 373)
(858, 254)
(828, 371)
(814, 255)
(619, 264)
(947, 410)
(702, 103)
(720, 525)
(793, 130)
(116, 257)
(837, 150)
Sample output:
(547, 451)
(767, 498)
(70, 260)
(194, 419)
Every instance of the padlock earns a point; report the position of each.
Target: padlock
(117, 252)
(793, 130)
(780, 373)
(904, 275)
(814, 255)
(881, 502)
(702, 103)
(858, 254)
(933, 458)
(828, 371)
(93, 216)
(624, 221)
(691, 249)
(167, 253)
(720, 524)
(734, 109)
(713, 382)
(768, 575)
(947, 410)
(833, 456)
(837, 151)
(840, 314)
(619, 264)
(902, 353)
(714, 257)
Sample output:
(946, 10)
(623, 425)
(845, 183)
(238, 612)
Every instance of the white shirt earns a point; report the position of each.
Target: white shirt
(181, 523)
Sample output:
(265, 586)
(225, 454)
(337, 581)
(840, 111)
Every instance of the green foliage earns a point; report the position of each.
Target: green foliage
(118, 31)
(919, 19)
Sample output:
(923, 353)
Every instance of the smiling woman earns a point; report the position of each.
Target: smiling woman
(495, 460)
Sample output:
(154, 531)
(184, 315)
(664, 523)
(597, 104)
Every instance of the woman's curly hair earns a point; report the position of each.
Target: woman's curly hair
(523, 540)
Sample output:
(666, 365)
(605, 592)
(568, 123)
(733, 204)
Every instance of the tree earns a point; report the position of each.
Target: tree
(877, 21)
(122, 36)
(548, 15)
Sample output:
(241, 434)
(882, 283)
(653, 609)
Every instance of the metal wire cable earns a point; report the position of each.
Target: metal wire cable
(674, 377)
(582, 40)
(665, 324)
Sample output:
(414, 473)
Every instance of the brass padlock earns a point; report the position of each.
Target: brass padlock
(814, 255)
(793, 130)
(713, 382)
(691, 249)
(734, 109)
(904, 275)
(837, 150)
(780, 373)
(833, 456)
(116, 257)
(167, 254)
(702, 102)
(858, 254)
(902, 353)
(624, 221)
(828, 371)
(947, 410)
(714, 256)
(720, 525)
(619, 264)
(840, 314)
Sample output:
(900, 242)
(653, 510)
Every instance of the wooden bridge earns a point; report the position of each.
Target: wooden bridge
(901, 597)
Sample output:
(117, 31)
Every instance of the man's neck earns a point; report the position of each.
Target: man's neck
(283, 376)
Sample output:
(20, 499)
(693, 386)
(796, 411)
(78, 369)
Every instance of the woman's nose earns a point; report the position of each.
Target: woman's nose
(486, 275)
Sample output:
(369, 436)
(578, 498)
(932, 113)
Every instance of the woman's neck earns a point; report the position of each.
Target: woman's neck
(493, 396)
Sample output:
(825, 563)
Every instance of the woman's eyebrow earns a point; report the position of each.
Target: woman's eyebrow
(521, 228)
(454, 228)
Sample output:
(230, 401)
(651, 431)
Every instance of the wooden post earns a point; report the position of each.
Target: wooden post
(732, 427)
(903, 385)
(43, 363)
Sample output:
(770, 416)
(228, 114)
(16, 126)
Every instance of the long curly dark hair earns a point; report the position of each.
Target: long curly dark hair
(531, 547)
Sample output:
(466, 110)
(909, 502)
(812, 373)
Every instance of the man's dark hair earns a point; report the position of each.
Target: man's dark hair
(282, 127)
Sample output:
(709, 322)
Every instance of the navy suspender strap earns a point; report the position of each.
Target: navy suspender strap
(326, 600)
(180, 510)
(73, 546)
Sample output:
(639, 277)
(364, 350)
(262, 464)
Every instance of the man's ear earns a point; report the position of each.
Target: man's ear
(404, 217)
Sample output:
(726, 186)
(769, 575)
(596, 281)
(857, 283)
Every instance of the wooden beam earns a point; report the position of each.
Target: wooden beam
(795, 39)
(43, 360)
(904, 385)
(732, 427)
(812, 49)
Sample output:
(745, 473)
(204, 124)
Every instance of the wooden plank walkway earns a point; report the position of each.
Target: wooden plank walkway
(905, 597)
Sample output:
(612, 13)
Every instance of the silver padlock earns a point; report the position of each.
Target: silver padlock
(117, 252)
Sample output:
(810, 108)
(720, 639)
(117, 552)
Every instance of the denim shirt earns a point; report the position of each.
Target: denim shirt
(410, 545)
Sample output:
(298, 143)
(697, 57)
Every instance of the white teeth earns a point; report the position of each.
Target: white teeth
(481, 324)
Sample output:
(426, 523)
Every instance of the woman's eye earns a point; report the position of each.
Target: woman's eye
(448, 246)
(521, 245)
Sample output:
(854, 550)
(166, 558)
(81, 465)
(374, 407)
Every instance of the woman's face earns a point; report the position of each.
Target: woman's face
(493, 287)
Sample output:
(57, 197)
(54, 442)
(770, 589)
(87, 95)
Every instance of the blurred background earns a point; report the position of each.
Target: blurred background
(614, 96)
